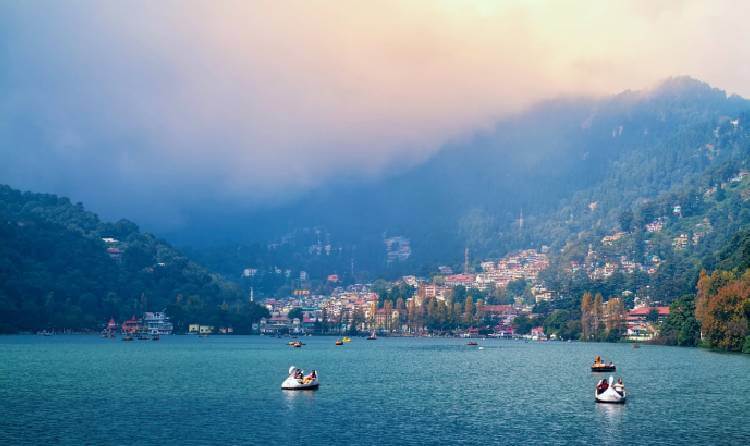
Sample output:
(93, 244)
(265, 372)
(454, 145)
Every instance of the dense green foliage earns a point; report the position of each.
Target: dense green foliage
(681, 327)
(56, 272)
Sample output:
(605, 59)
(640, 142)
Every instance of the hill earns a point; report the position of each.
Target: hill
(62, 268)
(571, 169)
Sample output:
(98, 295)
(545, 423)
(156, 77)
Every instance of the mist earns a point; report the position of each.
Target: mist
(153, 111)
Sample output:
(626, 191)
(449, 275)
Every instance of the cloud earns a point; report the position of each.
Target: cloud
(145, 108)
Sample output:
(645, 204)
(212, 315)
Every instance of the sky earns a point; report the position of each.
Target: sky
(145, 109)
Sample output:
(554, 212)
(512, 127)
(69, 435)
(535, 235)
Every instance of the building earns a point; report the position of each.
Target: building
(280, 325)
(445, 270)
(655, 226)
(609, 240)
(410, 280)
(537, 334)
(397, 248)
(131, 325)
(200, 329)
(157, 322)
(680, 242)
(249, 272)
(114, 253)
(467, 280)
(639, 327)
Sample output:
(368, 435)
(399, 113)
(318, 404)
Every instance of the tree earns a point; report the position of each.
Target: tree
(587, 317)
(517, 288)
(522, 325)
(615, 316)
(598, 316)
(295, 313)
(388, 310)
(468, 310)
(723, 309)
(681, 327)
(626, 220)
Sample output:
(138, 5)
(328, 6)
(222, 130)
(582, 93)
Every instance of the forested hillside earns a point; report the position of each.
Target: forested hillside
(576, 169)
(58, 272)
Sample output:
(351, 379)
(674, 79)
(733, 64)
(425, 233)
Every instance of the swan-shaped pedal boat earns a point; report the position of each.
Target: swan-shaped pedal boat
(297, 380)
(610, 392)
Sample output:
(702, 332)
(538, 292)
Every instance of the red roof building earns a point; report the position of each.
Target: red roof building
(131, 325)
(641, 313)
(497, 310)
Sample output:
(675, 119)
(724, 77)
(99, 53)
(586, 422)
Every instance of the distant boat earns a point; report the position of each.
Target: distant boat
(346, 339)
(372, 336)
(339, 342)
(472, 343)
(155, 337)
(636, 345)
(127, 337)
(600, 366)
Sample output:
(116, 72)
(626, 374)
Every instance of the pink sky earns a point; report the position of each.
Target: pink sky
(264, 98)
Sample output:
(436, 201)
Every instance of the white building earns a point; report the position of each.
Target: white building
(157, 322)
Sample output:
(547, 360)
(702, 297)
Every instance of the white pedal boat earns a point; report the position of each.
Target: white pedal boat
(297, 380)
(614, 394)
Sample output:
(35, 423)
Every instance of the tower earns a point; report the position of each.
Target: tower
(466, 260)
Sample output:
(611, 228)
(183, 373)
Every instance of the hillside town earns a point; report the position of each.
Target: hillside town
(447, 303)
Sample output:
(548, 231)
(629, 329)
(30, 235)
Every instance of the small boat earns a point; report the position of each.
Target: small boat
(346, 339)
(372, 337)
(607, 391)
(472, 343)
(601, 366)
(127, 337)
(296, 344)
(636, 345)
(480, 348)
(297, 380)
(339, 342)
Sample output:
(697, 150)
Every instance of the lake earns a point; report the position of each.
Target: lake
(185, 390)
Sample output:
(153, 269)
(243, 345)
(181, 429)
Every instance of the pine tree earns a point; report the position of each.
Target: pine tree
(468, 310)
(586, 316)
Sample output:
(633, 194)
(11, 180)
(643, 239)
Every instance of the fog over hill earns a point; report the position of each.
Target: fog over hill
(561, 153)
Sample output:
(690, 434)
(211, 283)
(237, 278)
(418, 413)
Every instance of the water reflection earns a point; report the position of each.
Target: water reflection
(296, 396)
(611, 416)
(610, 412)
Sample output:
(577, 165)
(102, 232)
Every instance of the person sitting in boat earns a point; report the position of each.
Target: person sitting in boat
(602, 386)
(619, 386)
(314, 375)
(597, 360)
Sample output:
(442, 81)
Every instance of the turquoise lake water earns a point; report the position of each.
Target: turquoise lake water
(185, 390)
